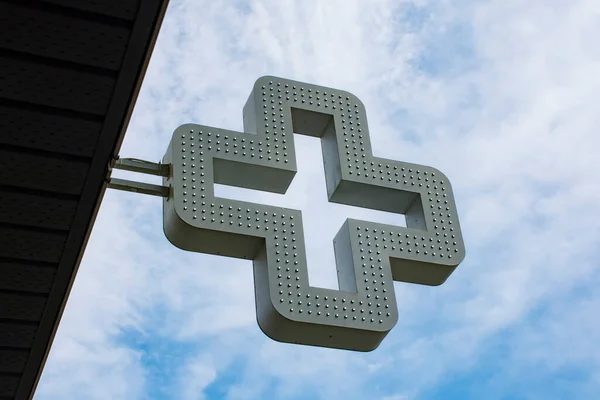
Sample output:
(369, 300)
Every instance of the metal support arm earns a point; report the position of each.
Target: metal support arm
(143, 167)
(138, 187)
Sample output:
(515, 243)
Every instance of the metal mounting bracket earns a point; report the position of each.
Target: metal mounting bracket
(142, 167)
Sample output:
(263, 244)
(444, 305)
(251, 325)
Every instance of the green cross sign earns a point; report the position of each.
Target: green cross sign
(369, 256)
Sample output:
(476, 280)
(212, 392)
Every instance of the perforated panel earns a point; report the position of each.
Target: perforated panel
(48, 132)
(42, 172)
(67, 38)
(8, 385)
(21, 307)
(26, 278)
(125, 9)
(17, 335)
(51, 86)
(36, 210)
(26, 244)
(13, 360)
(369, 256)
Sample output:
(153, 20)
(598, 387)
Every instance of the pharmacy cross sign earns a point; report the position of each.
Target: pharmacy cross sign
(369, 256)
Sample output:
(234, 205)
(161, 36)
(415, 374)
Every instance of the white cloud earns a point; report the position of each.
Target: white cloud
(500, 95)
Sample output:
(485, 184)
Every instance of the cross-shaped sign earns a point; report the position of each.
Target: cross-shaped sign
(369, 256)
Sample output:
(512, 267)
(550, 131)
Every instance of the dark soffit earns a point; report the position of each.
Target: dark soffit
(70, 72)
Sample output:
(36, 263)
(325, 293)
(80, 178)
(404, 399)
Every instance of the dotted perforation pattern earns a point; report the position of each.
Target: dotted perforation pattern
(359, 165)
(282, 230)
(196, 220)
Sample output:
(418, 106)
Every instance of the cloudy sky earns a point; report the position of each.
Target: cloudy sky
(501, 95)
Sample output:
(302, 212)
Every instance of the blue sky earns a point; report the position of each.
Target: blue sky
(501, 95)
